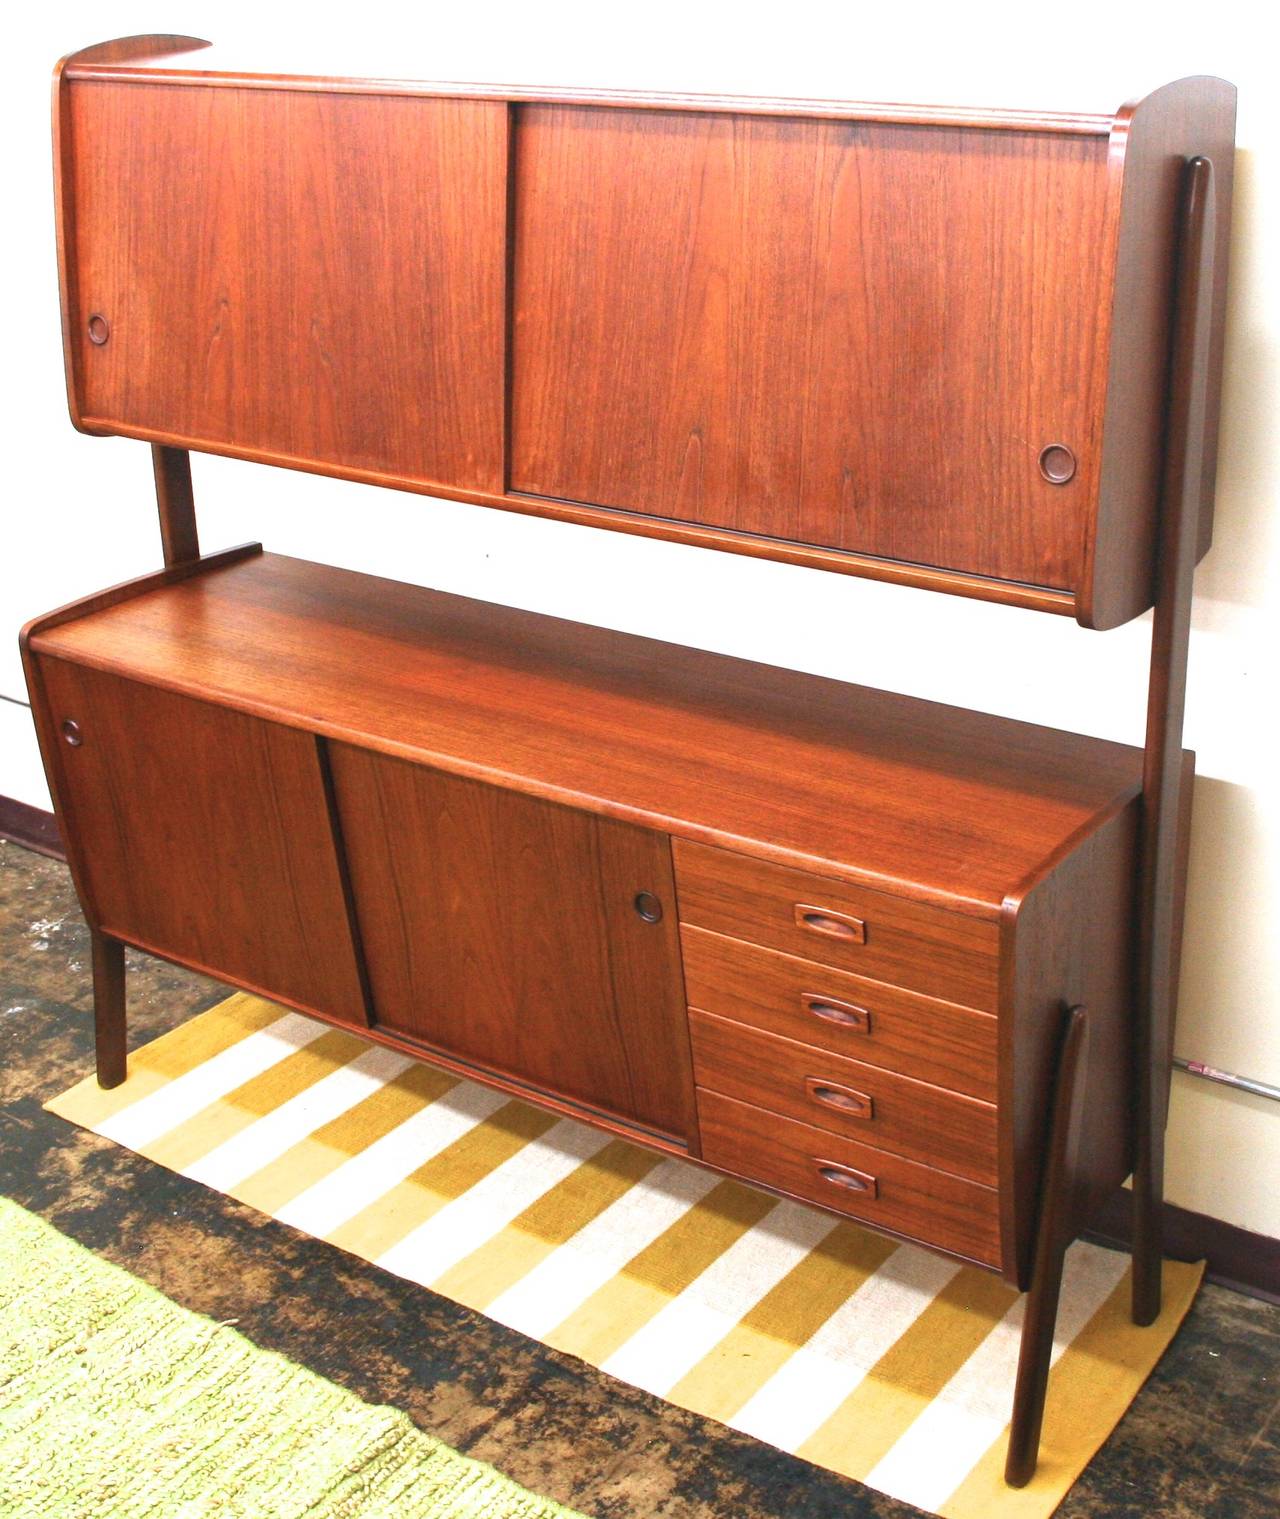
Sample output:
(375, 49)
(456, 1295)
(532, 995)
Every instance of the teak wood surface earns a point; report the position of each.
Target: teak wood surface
(1068, 940)
(871, 952)
(503, 928)
(836, 334)
(882, 790)
(761, 347)
(850, 1015)
(863, 1102)
(321, 283)
(942, 954)
(254, 888)
(579, 735)
(897, 1195)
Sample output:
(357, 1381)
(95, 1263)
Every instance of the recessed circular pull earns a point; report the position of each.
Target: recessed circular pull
(648, 907)
(71, 732)
(1057, 463)
(99, 329)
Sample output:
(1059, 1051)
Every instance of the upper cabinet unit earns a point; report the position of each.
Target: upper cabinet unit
(921, 345)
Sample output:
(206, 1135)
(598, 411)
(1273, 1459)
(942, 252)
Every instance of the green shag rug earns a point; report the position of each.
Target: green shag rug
(116, 1403)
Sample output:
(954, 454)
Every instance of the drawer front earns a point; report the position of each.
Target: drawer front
(859, 1101)
(871, 933)
(884, 1190)
(833, 1010)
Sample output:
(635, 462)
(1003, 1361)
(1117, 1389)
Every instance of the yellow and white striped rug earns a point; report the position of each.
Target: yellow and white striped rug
(880, 1361)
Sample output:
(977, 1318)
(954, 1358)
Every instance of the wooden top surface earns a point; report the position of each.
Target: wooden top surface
(948, 806)
(189, 60)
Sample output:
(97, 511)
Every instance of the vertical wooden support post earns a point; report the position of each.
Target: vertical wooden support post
(1162, 775)
(109, 1009)
(1054, 1232)
(176, 503)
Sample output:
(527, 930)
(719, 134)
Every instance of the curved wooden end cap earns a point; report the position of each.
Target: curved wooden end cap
(124, 49)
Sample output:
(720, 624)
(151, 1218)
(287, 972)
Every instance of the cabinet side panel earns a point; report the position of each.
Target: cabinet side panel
(1071, 941)
(311, 277)
(502, 929)
(855, 335)
(204, 833)
(1150, 148)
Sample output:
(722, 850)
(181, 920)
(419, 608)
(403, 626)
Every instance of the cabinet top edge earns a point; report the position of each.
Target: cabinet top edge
(189, 61)
(888, 791)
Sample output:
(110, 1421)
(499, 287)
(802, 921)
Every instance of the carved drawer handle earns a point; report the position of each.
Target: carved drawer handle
(844, 1014)
(847, 1178)
(834, 925)
(844, 1099)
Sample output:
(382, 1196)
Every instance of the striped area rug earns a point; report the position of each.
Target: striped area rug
(879, 1361)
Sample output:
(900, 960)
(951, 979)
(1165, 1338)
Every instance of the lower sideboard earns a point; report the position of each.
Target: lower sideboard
(267, 773)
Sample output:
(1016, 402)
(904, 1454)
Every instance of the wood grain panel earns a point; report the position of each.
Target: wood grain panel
(317, 277)
(205, 835)
(862, 1102)
(934, 1207)
(830, 333)
(1152, 140)
(503, 929)
(858, 784)
(1070, 939)
(853, 335)
(938, 953)
(848, 1015)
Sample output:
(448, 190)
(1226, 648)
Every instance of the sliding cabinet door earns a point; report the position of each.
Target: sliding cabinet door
(203, 834)
(525, 937)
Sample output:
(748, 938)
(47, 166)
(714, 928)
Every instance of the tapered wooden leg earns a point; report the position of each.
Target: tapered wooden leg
(1051, 1240)
(1166, 777)
(109, 1009)
(1148, 1236)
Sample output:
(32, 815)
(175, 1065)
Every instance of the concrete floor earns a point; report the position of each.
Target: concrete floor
(1202, 1439)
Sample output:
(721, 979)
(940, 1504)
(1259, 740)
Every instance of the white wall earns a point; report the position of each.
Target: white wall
(78, 512)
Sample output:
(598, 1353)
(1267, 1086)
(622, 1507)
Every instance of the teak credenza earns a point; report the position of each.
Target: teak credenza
(913, 964)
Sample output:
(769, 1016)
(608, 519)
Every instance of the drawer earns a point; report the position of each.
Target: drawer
(884, 1190)
(862, 1102)
(872, 933)
(834, 1010)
